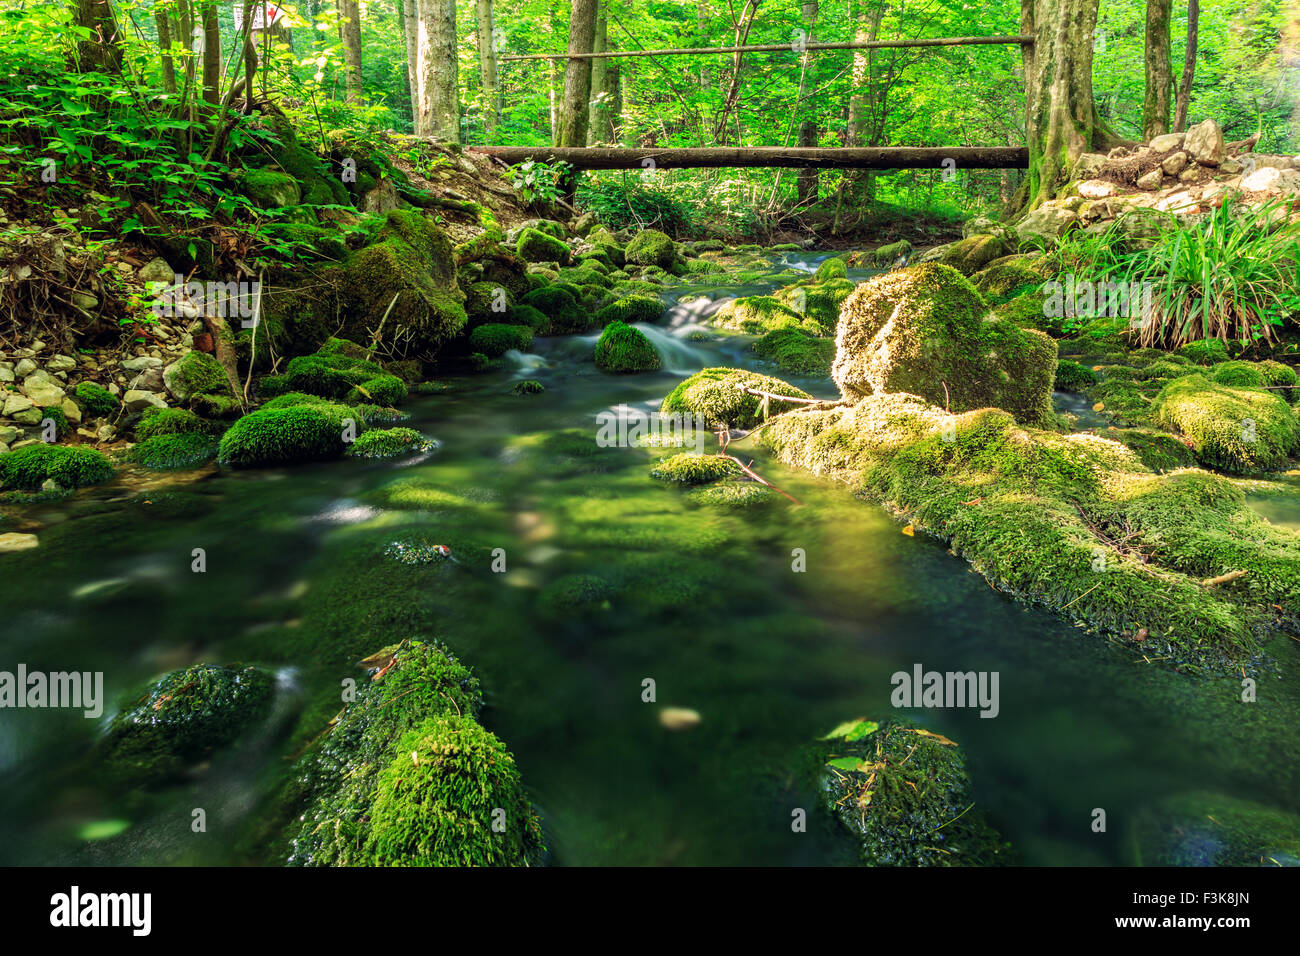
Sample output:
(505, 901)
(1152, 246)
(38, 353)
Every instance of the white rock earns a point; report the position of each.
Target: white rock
(137, 400)
(1097, 189)
(61, 363)
(1163, 144)
(13, 541)
(15, 403)
(1151, 180)
(140, 363)
(25, 368)
(1271, 179)
(1174, 163)
(71, 411)
(1204, 142)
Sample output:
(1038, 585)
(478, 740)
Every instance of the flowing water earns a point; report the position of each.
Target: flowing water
(706, 604)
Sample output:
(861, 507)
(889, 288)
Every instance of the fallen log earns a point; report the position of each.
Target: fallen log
(795, 157)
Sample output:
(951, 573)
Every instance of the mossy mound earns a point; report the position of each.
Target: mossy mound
(695, 469)
(1238, 430)
(27, 468)
(1002, 283)
(1073, 377)
(412, 268)
(732, 495)
(625, 350)
(338, 780)
(713, 395)
(1267, 374)
(533, 245)
(168, 421)
(561, 307)
(529, 317)
(925, 330)
(495, 340)
(529, 386)
(906, 798)
(972, 254)
(285, 436)
(1204, 351)
(756, 314)
(1211, 829)
(832, 268)
(1073, 522)
(172, 452)
(327, 374)
(1159, 451)
(797, 352)
(95, 400)
(575, 593)
(389, 443)
(196, 373)
(819, 302)
(183, 718)
(630, 310)
(651, 248)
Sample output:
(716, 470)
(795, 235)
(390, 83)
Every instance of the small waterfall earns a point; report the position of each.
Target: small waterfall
(525, 362)
(679, 356)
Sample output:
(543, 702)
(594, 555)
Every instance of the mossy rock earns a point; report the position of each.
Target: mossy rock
(534, 245)
(561, 307)
(487, 301)
(496, 339)
(575, 594)
(95, 400)
(712, 395)
(168, 421)
(411, 267)
(285, 436)
(174, 452)
(926, 331)
(1212, 829)
(184, 718)
(819, 301)
(1267, 374)
(624, 349)
(389, 443)
(688, 469)
(732, 495)
(1159, 451)
(970, 255)
(529, 317)
(27, 468)
(832, 268)
(651, 248)
(631, 309)
(1074, 377)
(796, 352)
(269, 189)
(383, 389)
(1002, 283)
(1204, 351)
(1238, 430)
(905, 798)
(889, 253)
(756, 314)
(196, 373)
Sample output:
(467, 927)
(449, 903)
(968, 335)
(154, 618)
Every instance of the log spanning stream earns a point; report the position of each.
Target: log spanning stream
(769, 657)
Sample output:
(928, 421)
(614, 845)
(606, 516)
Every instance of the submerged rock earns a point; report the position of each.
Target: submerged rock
(713, 396)
(1210, 829)
(927, 331)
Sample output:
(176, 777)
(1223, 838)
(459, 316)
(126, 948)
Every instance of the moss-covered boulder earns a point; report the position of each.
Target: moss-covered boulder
(631, 309)
(195, 373)
(95, 400)
(1238, 430)
(389, 443)
(688, 469)
(496, 339)
(183, 718)
(756, 314)
(168, 421)
(1002, 283)
(905, 797)
(926, 331)
(285, 436)
(1073, 376)
(797, 352)
(174, 452)
(270, 189)
(534, 245)
(561, 307)
(831, 268)
(972, 254)
(624, 349)
(1213, 829)
(714, 395)
(651, 248)
(410, 267)
(29, 467)
(819, 301)
(1204, 351)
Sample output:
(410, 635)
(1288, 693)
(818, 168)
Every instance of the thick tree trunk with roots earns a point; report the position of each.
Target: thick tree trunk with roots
(577, 75)
(1061, 118)
(438, 101)
(487, 59)
(1159, 71)
(350, 35)
(101, 52)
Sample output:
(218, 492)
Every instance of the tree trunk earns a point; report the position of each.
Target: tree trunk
(862, 120)
(411, 31)
(724, 157)
(743, 26)
(598, 118)
(487, 59)
(577, 75)
(439, 103)
(1061, 118)
(1189, 67)
(165, 45)
(102, 52)
(350, 35)
(1159, 72)
(211, 51)
(806, 181)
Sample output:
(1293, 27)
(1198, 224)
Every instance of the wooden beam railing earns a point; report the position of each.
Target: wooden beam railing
(796, 157)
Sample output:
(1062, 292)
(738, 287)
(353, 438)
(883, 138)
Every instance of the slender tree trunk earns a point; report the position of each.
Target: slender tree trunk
(411, 31)
(862, 111)
(1159, 72)
(553, 93)
(598, 119)
(350, 35)
(577, 75)
(487, 59)
(211, 51)
(102, 52)
(1061, 118)
(439, 100)
(742, 28)
(165, 45)
(1189, 67)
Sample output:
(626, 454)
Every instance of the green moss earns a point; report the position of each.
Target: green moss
(622, 348)
(631, 309)
(1237, 374)
(383, 389)
(529, 386)
(533, 245)
(1002, 283)
(651, 248)
(1205, 351)
(95, 400)
(585, 276)
(926, 331)
(756, 314)
(575, 593)
(712, 395)
(175, 450)
(695, 469)
(1239, 430)
(183, 718)
(27, 468)
(441, 799)
(197, 373)
(529, 317)
(905, 797)
(1210, 829)
(890, 252)
(168, 421)
(53, 414)
(970, 255)
(269, 189)
(732, 495)
(1073, 377)
(495, 340)
(1159, 451)
(389, 443)
(286, 436)
(796, 352)
(561, 307)
(832, 268)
